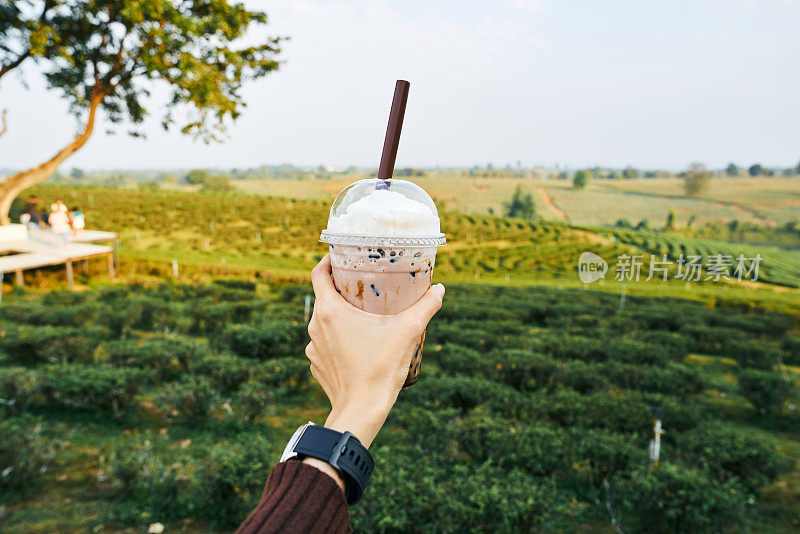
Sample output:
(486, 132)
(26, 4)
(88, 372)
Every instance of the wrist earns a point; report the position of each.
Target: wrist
(363, 418)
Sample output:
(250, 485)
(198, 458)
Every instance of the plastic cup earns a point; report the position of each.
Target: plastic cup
(378, 270)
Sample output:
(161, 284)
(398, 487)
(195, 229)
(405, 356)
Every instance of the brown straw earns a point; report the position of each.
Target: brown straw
(392, 140)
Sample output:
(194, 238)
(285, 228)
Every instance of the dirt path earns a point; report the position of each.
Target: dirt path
(551, 205)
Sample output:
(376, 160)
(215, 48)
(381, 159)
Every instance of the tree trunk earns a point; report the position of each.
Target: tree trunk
(16, 184)
(3, 124)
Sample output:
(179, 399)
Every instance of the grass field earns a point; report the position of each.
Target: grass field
(762, 200)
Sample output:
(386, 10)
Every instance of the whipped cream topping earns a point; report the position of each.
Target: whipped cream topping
(386, 213)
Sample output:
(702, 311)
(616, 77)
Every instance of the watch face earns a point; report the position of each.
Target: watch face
(288, 452)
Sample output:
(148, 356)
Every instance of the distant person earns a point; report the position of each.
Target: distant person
(58, 206)
(77, 220)
(59, 224)
(32, 209)
(361, 362)
(44, 218)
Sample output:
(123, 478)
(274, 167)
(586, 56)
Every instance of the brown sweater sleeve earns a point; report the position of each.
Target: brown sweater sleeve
(299, 498)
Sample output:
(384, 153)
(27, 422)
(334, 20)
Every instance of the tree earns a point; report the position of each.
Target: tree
(521, 205)
(218, 182)
(197, 176)
(25, 32)
(755, 169)
(670, 220)
(580, 179)
(732, 170)
(696, 179)
(797, 169)
(630, 173)
(109, 50)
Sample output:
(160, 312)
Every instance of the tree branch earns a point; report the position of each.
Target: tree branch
(4, 126)
(16, 184)
(14, 64)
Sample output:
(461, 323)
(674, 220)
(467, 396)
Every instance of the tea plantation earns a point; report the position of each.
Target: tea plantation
(128, 405)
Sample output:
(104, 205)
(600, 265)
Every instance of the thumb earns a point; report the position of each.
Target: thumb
(426, 307)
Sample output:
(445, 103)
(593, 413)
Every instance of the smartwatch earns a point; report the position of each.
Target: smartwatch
(342, 450)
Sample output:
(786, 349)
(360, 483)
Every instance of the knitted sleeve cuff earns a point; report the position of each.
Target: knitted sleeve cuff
(299, 498)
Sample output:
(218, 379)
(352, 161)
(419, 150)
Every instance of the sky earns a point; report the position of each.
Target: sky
(574, 83)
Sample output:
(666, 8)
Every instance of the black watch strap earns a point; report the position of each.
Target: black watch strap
(343, 451)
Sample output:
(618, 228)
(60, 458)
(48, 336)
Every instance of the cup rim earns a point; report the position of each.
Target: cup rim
(335, 238)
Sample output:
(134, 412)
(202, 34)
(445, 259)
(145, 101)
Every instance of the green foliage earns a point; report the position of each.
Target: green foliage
(169, 357)
(726, 453)
(91, 387)
(674, 498)
(228, 372)
(25, 455)
(732, 169)
(42, 344)
(581, 179)
(18, 388)
(197, 176)
(755, 170)
(534, 409)
(768, 391)
(218, 182)
(188, 48)
(521, 205)
(670, 224)
(191, 399)
(269, 339)
(696, 181)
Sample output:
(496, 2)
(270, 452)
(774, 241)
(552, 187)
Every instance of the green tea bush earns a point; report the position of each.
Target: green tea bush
(192, 399)
(92, 387)
(252, 400)
(791, 350)
(466, 393)
(225, 370)
(229, 484)
(169, 357)
(273, 339)
(483, 437)
(289, 374)
(751, 354)
(521, 369)
(121, 318)
(49, 344)
(445, 497)
(729, 453)
(602, 454)
(671, 379)
(25, 455)
(34, 314)
(18, 388)
(581, 376)
(674, 498)
(152, 482)
(768, 391)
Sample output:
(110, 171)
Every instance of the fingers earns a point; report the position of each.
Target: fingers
(321, 279)
(424, 310)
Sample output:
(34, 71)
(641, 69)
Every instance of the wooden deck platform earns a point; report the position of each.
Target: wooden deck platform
(42, 249)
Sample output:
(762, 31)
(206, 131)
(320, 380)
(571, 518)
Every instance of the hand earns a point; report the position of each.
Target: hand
(361, 359)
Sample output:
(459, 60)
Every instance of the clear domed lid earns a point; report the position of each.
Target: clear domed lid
(374, 211)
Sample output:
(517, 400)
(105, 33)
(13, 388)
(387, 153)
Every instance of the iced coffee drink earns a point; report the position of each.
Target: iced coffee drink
(383, 238)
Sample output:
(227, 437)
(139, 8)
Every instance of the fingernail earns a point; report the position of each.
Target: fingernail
(439, 290)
